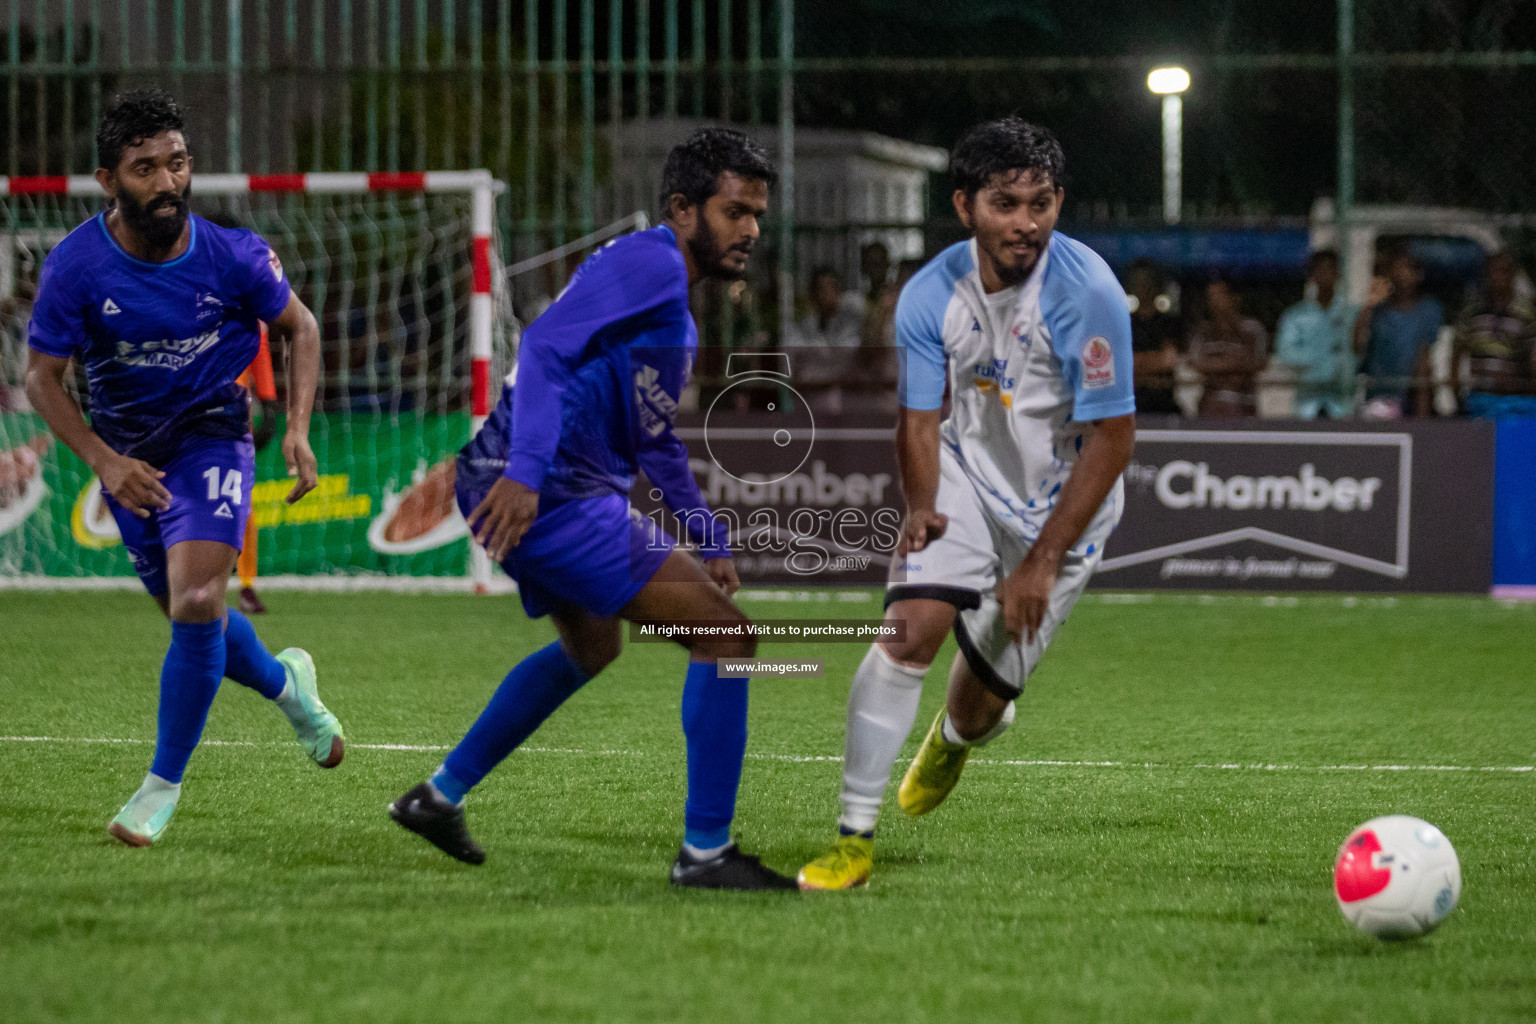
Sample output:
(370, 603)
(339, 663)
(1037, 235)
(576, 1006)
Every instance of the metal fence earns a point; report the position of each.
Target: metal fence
(1420, 102)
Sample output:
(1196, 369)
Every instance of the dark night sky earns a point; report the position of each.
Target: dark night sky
(1256, 142)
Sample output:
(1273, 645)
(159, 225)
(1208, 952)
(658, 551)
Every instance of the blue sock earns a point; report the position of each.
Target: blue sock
(247, 660)
(540, 683)
(188, 681)
(715, 726)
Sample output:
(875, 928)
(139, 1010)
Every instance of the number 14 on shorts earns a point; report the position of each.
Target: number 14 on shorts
(230, 488)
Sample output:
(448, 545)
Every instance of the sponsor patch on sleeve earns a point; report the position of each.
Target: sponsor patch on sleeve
(1098, 364)
(275, 263)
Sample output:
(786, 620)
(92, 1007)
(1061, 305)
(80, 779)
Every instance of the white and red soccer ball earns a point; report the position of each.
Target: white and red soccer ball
(1397, 877)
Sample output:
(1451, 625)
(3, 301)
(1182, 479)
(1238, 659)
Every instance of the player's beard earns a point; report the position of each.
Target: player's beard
(709, 254)
(1011, 269)
(157, 232)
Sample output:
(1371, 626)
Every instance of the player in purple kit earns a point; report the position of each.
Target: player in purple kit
(162, 308)
(545, 486)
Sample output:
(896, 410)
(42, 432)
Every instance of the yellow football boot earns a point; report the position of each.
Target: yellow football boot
(933, 772)
(844, 866)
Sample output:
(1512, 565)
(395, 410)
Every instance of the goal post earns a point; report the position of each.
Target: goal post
(403, 273)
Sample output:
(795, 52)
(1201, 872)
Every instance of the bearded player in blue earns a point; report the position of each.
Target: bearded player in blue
(162, 309)
(545, 487)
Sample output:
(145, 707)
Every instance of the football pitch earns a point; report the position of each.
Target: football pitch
(1152, 841)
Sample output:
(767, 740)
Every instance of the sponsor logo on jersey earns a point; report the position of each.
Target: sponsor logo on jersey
(975, 324)
(1098, 363)
(987, 376)
(171, 354)
(657, 409)
(276, 264)
(110, 308)
(223, 512)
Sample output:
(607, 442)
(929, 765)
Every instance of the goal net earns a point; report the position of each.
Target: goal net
(415, 325)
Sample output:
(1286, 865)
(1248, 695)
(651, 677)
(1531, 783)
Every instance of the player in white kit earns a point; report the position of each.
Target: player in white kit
(1011, 498)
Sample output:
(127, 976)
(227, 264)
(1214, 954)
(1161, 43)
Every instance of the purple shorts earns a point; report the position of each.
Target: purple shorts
(210, 483)
(592, 553)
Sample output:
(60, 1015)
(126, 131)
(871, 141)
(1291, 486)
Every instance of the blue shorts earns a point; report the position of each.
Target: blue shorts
(593, 553)
(210, 483)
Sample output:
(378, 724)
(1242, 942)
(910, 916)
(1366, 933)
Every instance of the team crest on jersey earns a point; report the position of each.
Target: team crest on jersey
(208, 305)
(1098, 363)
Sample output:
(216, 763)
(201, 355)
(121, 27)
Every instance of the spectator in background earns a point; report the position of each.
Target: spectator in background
(15, 315)
(1155, 338)
(827, 338)
(875, 268)
(876, 365)
(1497, 335)
(1393, 334)
(1316, 336)
(1228, 349)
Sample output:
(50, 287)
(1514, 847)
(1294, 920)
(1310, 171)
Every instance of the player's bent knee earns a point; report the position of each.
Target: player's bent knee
(732, 648)
(918, 647)
(592, 660)
(925, 627)
(198, 605)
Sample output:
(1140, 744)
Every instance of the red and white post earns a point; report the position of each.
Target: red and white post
(482, 202)
(482, 191)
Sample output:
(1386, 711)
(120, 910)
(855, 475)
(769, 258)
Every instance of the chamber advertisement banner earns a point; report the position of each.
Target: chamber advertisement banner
(817, 500)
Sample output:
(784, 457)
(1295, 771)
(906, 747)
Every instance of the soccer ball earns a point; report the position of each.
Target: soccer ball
(1397, 877)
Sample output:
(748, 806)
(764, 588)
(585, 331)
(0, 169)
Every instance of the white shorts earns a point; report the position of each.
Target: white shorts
(966, 565)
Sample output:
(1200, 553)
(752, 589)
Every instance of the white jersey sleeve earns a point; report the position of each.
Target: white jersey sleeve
(1084, 308)
(920, 315)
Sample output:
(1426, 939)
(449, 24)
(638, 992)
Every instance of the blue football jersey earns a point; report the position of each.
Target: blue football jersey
(162, 343)
(597, 384)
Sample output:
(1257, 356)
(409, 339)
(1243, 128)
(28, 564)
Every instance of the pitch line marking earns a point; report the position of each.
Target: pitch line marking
(815, 758)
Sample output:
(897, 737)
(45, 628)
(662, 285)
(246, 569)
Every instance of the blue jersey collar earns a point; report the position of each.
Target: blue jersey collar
(101, 220)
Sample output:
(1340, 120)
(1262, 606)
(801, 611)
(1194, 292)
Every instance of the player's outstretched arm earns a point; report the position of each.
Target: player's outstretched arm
(135, 485)
(297, 324)
(917, 452)
(1026, 594)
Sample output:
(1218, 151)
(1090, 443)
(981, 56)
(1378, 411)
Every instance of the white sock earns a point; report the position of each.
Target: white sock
(155, 784)
(700, 854)
(882, 705)
(947, 730)
(292, 707)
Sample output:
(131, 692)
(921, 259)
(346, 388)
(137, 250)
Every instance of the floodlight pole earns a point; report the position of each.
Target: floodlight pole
(233, 89)
(1173, 156)
(786, 196)
(1170, 83)
(1344, 198)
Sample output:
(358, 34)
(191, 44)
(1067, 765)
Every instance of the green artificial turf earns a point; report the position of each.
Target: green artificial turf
(1139, 880)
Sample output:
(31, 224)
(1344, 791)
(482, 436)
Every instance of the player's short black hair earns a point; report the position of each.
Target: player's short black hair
(133, 117)
(693, 168)
(825, 270)
(1008, 145)
(1327, 255)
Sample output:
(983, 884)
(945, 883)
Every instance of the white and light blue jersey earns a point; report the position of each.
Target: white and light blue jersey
(1029, 368)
